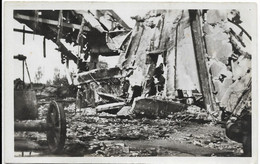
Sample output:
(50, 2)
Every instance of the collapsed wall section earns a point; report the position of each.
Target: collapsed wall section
(159, 60)
(162, 34)
(228, 48)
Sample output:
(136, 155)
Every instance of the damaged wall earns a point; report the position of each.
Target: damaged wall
(166, 33)
(228, 49)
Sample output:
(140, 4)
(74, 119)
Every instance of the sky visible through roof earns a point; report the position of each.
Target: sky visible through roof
(33, 50)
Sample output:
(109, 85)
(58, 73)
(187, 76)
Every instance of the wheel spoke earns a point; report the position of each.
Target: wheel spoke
(53, 120)
(54, 115)
(55, 140)
(57, 137)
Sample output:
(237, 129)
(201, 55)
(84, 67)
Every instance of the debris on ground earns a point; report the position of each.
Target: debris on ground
(104, 134)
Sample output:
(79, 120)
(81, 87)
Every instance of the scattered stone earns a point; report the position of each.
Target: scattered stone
(106, 115)
(197, 143)
(206, 142)
(88, 112)
(75, 149)
(84, 135)
(211, 145)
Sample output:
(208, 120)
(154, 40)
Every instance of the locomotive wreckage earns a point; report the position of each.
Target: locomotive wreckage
(169, 60)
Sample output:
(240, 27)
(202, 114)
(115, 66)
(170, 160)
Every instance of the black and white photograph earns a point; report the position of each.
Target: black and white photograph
(98, 80)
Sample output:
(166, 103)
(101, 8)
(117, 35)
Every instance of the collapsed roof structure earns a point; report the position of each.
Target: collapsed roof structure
(77, 27)
(180, 56)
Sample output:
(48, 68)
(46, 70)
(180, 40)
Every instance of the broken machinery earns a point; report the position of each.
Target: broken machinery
(26, 114)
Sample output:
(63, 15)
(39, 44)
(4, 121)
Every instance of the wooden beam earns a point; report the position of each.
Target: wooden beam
(44, 47)
(23, 31)
(65, 51)
(49, 22)
(60, 25)
(23, 34)
(200, 51)
(31, 125)
(120, 21)
(99, 74)
(110, 97)
(112, 106)
(240, 105)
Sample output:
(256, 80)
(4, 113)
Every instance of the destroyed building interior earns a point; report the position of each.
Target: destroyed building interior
(181, 85)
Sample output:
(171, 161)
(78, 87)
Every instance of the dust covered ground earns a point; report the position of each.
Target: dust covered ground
(94, 134)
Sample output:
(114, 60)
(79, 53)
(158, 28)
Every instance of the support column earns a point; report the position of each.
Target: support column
(170, 69)
(23, 71)
(201, 60)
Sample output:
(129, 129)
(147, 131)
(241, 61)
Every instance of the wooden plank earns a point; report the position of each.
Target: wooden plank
(60, 25)
(199, 50)
(49, 21)
(110, 97)
(65, 51)
(111, 106)
(99, 74)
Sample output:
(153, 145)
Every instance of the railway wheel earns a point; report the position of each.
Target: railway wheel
(56, 133)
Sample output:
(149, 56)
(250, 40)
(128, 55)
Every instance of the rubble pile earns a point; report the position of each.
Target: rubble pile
(100, 128)
(109, 136)
(91, 134)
